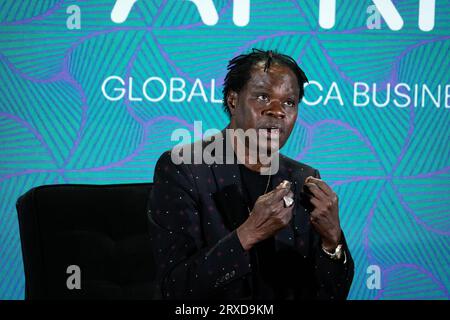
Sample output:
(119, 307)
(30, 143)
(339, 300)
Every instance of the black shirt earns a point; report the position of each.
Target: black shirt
(263, 253)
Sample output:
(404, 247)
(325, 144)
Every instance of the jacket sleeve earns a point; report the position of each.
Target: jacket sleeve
(186, 266)
(332, 278)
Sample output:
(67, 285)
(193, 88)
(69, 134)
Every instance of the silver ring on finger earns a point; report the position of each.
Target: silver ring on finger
(288, 201)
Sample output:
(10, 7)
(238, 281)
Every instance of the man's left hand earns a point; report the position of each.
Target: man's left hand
(325, 216)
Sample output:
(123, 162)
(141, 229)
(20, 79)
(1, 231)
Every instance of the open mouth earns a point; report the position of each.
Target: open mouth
(273, 129)
(270, 131)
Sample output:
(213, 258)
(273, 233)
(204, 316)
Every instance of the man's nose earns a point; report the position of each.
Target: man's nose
(275, 109)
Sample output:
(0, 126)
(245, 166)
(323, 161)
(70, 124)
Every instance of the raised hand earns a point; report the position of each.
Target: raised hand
(268, 216)
(325, 216)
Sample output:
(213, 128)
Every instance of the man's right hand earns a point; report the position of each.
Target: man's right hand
(269, 215)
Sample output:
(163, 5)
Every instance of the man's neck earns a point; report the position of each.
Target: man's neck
(250, 163)
(254, 167)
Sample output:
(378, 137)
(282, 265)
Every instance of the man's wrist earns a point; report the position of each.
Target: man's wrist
(244, 238)
(337, 254)
(330, 246)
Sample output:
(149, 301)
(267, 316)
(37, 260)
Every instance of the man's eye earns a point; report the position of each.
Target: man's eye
(290, 104)
(263, 97)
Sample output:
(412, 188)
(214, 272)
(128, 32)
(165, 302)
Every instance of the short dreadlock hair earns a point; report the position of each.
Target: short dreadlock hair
(239, 69)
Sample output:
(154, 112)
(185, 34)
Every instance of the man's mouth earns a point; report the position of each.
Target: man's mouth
(271, 131)
(272, 127)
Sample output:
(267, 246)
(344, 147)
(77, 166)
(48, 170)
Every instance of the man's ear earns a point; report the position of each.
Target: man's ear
(232, 101)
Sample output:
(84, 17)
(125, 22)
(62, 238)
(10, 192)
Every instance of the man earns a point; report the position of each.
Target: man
(228, 231)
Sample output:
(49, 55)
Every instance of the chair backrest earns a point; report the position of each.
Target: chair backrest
(97, 234)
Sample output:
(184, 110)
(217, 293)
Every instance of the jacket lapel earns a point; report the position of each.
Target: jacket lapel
(229, 197)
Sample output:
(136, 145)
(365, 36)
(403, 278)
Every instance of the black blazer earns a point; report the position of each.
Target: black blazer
(194, 210)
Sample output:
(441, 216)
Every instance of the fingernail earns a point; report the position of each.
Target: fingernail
(285, 184)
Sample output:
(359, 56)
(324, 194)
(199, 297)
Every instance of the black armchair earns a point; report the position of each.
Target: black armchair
(101, 229)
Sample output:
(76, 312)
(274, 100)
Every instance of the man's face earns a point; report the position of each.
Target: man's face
(268, 101)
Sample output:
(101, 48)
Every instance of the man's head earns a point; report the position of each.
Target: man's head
(262, 90)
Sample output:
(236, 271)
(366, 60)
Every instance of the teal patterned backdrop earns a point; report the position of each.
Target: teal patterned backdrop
(390, 165)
